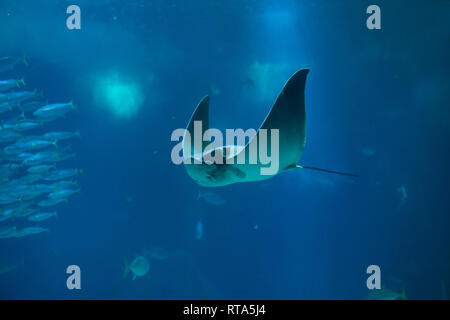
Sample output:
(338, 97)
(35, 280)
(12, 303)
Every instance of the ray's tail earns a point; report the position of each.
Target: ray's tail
(330, 171)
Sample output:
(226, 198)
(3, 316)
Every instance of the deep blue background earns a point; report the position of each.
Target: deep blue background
(383, 89)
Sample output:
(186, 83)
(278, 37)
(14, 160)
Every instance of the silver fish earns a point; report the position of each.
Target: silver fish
(42, 216)
(6, 85)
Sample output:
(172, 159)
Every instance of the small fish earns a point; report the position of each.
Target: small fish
(54, 110)
(139, 267)
(15, 190)
(63, 194)
(43, 168)
(42, 216)
(25, 212)
(61, 135)
(63, 184)
(15, 149)
(402, 191)
(62, 174)
(50, 202)
(27, 125)
(6, 85)
(9, 213)
(18, 97)
(29, 230)
(403, 195)
(211, 198)
(34, 145)
(199, 230)
(42, 157)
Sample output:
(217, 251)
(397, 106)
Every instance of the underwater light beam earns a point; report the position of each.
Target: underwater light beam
(121, 97)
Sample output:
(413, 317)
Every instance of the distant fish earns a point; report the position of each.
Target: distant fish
(6, 85)
(15, 148)
(63, 194)
(17, 97)
(28, 231)
(47, 157)
(211, 198)
(26, 159)
(34, 145)
(60, 135)
(403, 195)
(54, 110)
(62, 174)
(25, 212)
(41, 216)
(63, 184)
(26, 125)
(39, 158)
(402, 191)
(51, 202)
(7, 213)
(139, 267)
(43, 168)
(199, 230)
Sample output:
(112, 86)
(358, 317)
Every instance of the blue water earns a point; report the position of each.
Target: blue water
(386, 91)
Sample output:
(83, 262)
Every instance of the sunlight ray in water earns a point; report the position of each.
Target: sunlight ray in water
(122, 97)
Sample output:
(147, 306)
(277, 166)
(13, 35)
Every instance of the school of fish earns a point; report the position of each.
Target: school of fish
(32, 179)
